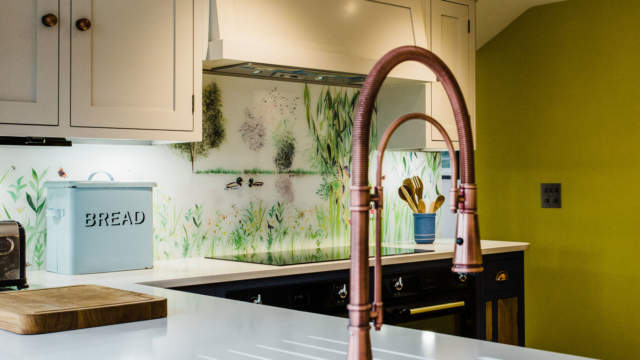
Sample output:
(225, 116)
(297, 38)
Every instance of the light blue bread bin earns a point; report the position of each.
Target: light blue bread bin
(99, 226)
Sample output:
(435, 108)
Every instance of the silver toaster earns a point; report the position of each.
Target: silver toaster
(12, 255)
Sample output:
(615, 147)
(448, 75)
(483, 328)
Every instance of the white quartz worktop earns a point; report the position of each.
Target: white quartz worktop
(205, 328)
(196, 271)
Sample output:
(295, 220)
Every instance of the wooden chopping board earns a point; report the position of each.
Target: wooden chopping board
(75, 307)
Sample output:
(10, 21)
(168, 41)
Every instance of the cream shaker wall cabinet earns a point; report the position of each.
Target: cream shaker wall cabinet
(453, 40)
(450, 29)
(29, 33)
(102, 69)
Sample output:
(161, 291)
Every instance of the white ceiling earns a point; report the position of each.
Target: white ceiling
(493, 16)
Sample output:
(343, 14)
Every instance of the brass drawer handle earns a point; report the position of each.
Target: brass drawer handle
(502, 276)
(12, 246)
(432, 308)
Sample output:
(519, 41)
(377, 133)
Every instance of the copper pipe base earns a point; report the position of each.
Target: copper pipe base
(359, 343)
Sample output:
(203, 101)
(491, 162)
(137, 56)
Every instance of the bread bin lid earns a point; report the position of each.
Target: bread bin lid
(99, 184)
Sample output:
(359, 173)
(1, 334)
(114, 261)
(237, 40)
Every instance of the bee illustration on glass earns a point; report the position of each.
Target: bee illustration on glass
(61, 173)
(234, 185)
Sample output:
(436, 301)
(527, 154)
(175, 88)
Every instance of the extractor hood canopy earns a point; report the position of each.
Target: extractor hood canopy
(333, 42)
(287, 73)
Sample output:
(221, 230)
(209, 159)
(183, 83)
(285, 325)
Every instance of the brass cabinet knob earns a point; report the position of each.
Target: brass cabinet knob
(83, 24)
(49, 20)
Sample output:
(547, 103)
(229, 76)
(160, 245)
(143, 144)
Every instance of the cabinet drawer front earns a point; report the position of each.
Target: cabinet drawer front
(503, 276)
(132, 68)
(29, 62)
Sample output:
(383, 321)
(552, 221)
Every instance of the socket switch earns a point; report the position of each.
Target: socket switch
(551, 195)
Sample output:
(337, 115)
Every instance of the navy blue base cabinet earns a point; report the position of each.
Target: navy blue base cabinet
(421, 295)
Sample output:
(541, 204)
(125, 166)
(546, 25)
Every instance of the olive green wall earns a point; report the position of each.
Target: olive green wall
(559, 101)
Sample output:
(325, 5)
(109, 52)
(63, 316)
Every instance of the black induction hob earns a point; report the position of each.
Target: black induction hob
(304, 256)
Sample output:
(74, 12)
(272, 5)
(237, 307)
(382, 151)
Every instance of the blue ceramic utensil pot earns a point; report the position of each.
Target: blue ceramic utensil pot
(424, 226)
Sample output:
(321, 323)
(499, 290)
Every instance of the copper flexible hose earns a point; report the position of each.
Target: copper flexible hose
(467, 252)
(367, 99)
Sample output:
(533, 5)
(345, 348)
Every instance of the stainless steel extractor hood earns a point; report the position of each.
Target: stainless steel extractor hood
(287, 73)
(334, 42)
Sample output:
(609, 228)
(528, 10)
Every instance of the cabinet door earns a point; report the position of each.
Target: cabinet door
(28, 62)
(508, 321)
(132, 67)
(452, 40)
(502, 321)
(502, 288)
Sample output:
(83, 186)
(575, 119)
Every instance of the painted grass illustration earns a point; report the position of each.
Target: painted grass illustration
(255, 227)
(37, 226)
(28, 206)
(330, 126)
(194, 232)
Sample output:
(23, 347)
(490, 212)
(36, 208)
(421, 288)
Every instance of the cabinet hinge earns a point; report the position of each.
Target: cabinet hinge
(469, 26)
(193, 104)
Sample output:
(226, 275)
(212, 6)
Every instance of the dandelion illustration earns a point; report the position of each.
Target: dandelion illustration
(283, 104)
(252, 130)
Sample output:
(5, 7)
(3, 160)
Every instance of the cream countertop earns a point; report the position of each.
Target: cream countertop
(197, 271)
(202, 327)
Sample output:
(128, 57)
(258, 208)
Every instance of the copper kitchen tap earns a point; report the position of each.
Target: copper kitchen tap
(467, 256)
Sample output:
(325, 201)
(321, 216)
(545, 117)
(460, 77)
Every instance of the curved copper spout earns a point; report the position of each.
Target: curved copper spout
(467, 254)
